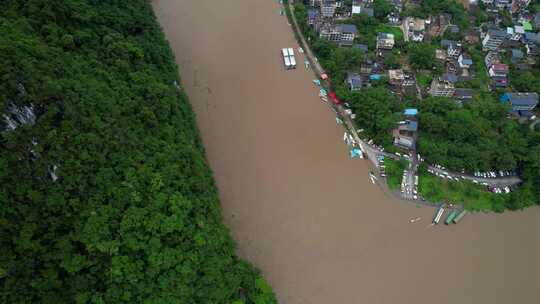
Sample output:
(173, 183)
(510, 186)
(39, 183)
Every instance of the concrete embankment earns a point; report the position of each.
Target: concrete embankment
(298, 206)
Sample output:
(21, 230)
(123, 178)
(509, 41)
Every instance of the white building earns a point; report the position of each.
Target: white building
(328, 8)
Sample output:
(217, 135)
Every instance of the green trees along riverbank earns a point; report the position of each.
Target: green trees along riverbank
(107, 197)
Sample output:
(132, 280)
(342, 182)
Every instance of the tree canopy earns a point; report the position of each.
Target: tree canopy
(133, 216)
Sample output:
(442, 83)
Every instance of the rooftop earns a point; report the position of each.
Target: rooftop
(464, 93)
(396, 74)
(410, 112)
(521, 99)
(348, 28)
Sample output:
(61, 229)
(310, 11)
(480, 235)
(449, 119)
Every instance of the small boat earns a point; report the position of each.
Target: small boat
(438, 215)
(459, 217)
(414, 220)
(372, 177)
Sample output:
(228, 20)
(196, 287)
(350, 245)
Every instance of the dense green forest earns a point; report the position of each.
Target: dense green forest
(107, 196)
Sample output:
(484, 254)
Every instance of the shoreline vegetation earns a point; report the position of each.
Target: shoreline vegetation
(476, 136)
(106, 194)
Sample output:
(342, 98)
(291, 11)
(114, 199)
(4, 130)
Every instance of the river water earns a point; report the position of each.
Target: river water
(299, 208)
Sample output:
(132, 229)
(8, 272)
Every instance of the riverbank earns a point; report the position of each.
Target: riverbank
(374, 153)
(300, 209)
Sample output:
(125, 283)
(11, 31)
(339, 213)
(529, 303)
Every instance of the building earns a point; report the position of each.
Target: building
(450, 77)
(409, 84)
(361, 47)
(398, 5)
(440, 54)
(406, 132)
(493, 39)
(463, 94)
(438, 24)
(530, 38)
(532, 49)
(453, 49)
(313, 16)
(385, 41)
(330, 32)
(343, 34)
(396, 77)
(348, 33)
(502, 4)
(527, 26)
(518, 5)
(328, 8)
(517, 55)
(465, 61)
(472, 36)
(515, 33)
(521, 103)
(417, 29)
(491, 58)
(356, 7)
(536, 21)
(393, 19)
(442, 88)
(354, 80)
(499, 75)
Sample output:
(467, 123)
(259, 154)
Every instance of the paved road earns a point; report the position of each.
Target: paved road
(309, 54)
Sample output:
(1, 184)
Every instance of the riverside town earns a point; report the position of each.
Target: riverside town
(444, 94)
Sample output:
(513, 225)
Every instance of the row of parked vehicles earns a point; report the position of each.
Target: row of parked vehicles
(505, 189)
(494, 174)
(410, 190)
(382, 167)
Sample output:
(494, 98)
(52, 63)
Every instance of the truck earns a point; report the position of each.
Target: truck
(451, 217)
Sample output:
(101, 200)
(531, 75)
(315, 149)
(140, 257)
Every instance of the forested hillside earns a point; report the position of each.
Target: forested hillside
(105, 194)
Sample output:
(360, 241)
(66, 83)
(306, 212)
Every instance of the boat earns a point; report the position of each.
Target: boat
(372, 177)
(438, 215)
(460, 216)
(451, 216)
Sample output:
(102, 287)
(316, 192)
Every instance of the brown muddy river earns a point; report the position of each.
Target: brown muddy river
(302, 210)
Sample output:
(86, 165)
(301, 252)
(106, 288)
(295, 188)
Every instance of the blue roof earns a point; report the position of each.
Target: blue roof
(447, 43)
(412, 126)
(354, 80)
(532, 37)
(312, 13)
(367, 11)
(361, 47)
(411, 112)
(520, 99)
(450, 77)
(516, 53)
(348, 28)
(453, 28)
